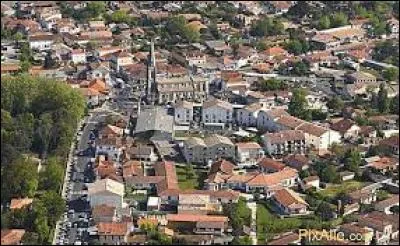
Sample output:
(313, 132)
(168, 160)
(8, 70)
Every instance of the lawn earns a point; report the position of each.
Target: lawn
(188, 183)
(347, 186)
(269, 224)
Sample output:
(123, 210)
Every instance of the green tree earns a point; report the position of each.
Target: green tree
(324, 22)
(239, 214)
(298, 105)
(300, 68)
(391, 74)
(54, 205)
(52, 177)
(394, 105)
(294, 46)
(20, 179)
(339, 19)
(317, 114)
(383, 99)
(382, 195)
(190, 171)
(267, 27)
(190, 34)
(94, 9)
(242, 240)
(335, 103)
(30, 238)
(271, 85)
(119, 16)
(352, 160)
(325, 211)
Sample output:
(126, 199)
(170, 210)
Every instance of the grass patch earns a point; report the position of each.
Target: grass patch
(187, 183)
(268, 224)
(347, 186)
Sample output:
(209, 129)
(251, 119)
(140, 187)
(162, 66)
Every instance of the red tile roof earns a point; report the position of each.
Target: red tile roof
(195, 218)
(20, 203)
(112, 229)
(11, 237)
(223, 166)
(271, 164)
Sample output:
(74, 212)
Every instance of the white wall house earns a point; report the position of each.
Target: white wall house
(217, 111)
(41, 43)
(78, 56)
(319, 137)
(266, 119)
(183, 113)
(284, 142)
(106, 191)
(248, 153)
(110, 147)
(247, 116)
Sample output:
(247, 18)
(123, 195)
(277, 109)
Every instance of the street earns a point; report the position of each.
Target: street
(77, 219)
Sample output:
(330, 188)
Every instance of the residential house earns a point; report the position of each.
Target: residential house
(114, 233)
(393, 26)
(347, 128)
(310, 182)
(106, 191)
(193, 150)
(110, 143)
(198, 224)
(197, 204)
(104, 213)
(266, 119)
(78, 56)
(121, 59)
(318, 137)
(190, 58)
(132, 168)
(289, 202)
(387, 204)
(361, 78)
(385, 226)
(296, 161)
(324, 41)
(20, 203)
(287, 238)
(248, 115)
(346, 34)
(183, 113)
(218, 47)
(355, 229)
(345, 176)
(284, 142)
(391, 144)
(248, 153)
(153, 204)
(278, 7)
(12, 236)
(268, 165)
(368, 135)
(225, 196)
(217, 111)
(41, 42)
(268, 183)
(143, 153)
(384, 164)
(275, 51)
(363, 196)
(173, 89)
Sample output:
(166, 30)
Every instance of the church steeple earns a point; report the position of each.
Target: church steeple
(151, 75)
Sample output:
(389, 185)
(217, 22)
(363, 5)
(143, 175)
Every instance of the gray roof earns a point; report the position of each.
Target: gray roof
(154, 119)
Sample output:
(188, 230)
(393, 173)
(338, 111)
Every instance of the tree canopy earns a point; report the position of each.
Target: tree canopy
(298, 105)
(267, 27)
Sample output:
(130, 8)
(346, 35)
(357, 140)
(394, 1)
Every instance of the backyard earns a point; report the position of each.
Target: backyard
(348, 186)
(190, 179)
(269, 224)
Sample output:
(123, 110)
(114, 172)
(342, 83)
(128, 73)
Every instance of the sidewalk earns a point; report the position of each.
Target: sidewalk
(253, 224)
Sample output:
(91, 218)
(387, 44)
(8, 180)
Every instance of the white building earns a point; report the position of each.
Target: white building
(208, 150)
(183, 113)
(106, 191)
(284, 142)
(266, 119)
(41, 42)
(248, 115)
(248, 153)
(217, 111)
(78, 56)
(319, 137)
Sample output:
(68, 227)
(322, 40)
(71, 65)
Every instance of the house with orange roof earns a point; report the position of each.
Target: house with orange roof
(93, 97)
(20, 203)
(289, 202)
(268, 165)
(114, 233)
(384, 164)
(9, 68)
(99, 85)
(12, 236)
(275, 51)
(199, 224)
(121, 59)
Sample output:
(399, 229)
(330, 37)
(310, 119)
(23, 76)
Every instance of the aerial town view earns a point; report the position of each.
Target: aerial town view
(199, 122)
